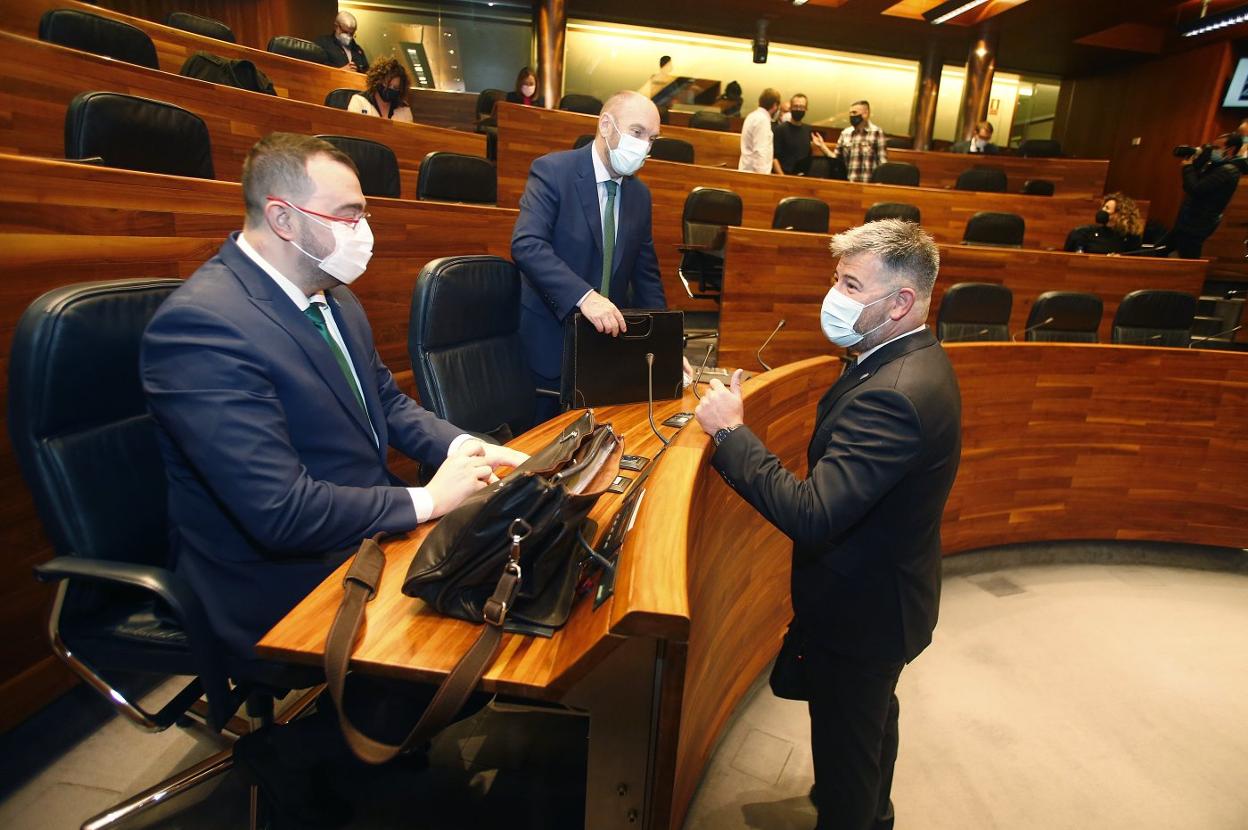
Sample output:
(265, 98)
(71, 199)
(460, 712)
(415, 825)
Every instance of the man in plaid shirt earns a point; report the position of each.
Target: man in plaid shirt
(861, 145)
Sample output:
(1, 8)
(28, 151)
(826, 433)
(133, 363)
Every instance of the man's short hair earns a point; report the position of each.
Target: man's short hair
(277, 165)
(664, 61)
(863, 103)
(905, 250)
(797, 95)
(346, 18)
(984, 125)
(770, 98)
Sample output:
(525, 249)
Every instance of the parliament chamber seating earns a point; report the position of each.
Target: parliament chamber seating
(584, 104)
(298, 48)
(1040, 148)
(672, 149)
(707, 215)
(982, 179)
(799, 213)
(582, 140)
(137, 134)
(205, 26)
(990, 227)
(709, 120)
(823, 167)
(454, 177)
(99, 35)
(375, 162)
(974, 312)
(1064, 317)
(893, 210)
(339, 99)
(896, 172)
(1038, 187)
(1154, 317)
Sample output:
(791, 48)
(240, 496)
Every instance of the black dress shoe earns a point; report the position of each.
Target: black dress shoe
(295, 796)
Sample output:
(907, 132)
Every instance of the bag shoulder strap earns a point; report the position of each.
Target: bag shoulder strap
(358, 589)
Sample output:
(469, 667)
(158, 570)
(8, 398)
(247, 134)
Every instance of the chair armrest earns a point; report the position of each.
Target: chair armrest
(546, 393)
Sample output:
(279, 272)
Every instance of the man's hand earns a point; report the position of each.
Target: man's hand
(721, 406)
(458, 478)
(351, 65)
(606, 318)
(492, 454)
(686, 372)
(816, 141)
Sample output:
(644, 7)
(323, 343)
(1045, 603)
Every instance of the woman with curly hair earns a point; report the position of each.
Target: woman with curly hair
(385, 92)
(1119, 227)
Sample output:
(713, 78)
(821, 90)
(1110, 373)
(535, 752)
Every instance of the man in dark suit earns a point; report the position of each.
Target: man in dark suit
(979, 142)
(274, 410)
(340, 44)
(865, 522)
(577, 205)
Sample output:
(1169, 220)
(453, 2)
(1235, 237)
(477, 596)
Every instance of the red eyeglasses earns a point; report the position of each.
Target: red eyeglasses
(346, 220)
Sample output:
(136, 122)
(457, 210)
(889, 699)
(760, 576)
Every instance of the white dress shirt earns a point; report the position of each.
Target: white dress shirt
(757, 144)
(875, 349)
(601, 177)
(422, 501)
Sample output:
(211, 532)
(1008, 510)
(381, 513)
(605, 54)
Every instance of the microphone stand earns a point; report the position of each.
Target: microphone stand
(650, 398)
(774, 332)
(1030, 329)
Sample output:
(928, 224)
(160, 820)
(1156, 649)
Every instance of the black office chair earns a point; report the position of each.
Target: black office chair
(798, 213)
(672, 149)
(982, 180)
(893, 210)
(575, 102)
(582, 140)
(974, 312)
(377, 165)
(707, 215)
(1040, 148)
(487, 100)
(709, 120)
(1154, 231)
(339, 99)
(996, 229)
(1155, 318)
(100, 35)
(87, 449)
(205, 26)
(823, 167)
(1038, 187)
(896, 172)
(135, 133)
(1064, 317)
(452, 177)
(298, 48)
(463, 338)
(897, 142)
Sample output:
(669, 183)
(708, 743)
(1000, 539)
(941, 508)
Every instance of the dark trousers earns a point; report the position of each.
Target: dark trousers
(853, 737)
(1188, 245)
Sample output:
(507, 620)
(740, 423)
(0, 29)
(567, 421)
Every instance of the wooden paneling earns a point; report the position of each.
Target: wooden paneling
(252, 21)
(44, 78)
(301, 80)
(769, 275)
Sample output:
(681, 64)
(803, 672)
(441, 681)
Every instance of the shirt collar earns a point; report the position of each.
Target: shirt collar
(301, 300)
(864, 355)
(600, 170)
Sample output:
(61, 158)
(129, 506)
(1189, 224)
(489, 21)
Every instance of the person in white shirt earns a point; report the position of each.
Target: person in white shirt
(385, 92)
(757, 147)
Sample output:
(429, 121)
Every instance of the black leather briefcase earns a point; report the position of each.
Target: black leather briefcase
(599, 369)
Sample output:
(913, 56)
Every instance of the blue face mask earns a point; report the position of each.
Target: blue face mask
(629, 154)
(1217, 155)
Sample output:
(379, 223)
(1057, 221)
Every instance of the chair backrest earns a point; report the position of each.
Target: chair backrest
(582, 140)
(1155, 230)
(297, 47)
(990, 227)
(1064, 317)
(340, 98)
(898, 142)
(708, 213)
(709, 120)
(974, 311)
(1039, 187)
(893, 210)
(377, 165)
(799, 213)
(135, 133)
(672, 149)
(99, 35)
(896, 172)
(1040, 148)
(452, 177)
(79, 424)
(463, 338)
(205, 26)
(1155, 318)
(822, 167)
(486, 99)
(983, 180)
(575, 102)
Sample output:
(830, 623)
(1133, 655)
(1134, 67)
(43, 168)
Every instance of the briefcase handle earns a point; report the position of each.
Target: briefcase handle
(639, 326)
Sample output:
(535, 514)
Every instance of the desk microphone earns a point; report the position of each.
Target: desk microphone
(1030, 329)
(650, 397)
(774, 332)
(966, 339)
(1215, 336)
(697, 378)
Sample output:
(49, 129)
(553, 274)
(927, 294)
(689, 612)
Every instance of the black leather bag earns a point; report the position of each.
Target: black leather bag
(599, 370)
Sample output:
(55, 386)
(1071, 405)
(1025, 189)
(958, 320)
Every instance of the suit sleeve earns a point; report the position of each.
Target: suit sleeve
(647, 281)
(875, 441)
(208, 388)
(532, 243)
(1206, 185)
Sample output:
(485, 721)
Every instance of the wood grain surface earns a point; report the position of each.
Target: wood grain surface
(769, 275)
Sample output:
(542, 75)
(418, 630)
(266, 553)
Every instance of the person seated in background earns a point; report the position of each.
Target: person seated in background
(757, 143)
(385, 92)
(862, 145)
(526, 90)
(796, 142)
(1118, 228)
(658, 81)
(340, 44)
(979, 142)
(730, 102)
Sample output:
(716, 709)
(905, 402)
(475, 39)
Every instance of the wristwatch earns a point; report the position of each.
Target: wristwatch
(722, 434)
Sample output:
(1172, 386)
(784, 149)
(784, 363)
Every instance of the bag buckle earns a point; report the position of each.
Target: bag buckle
(495, 613)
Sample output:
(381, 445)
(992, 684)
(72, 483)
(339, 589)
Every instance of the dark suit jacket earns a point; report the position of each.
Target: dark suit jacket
(337, 57)
(964, 146)
(1208, 191)
(557, 243)
(273, 474)
(865, 523)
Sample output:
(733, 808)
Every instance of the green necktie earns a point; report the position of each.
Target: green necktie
(608, 237)
(317, 317)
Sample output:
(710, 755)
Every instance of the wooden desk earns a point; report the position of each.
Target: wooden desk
(292, 78)
(44, 78)
(773, 274)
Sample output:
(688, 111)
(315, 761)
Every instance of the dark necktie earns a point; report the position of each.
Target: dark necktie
(317, 316)
(608, 238)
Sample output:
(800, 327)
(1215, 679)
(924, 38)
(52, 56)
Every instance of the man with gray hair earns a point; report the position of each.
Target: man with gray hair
(340, 44)
(865, 522)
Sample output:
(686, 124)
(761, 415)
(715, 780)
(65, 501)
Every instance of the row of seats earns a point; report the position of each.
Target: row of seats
(980, 312)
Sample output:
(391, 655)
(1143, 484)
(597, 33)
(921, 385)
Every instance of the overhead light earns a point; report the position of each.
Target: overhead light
(1202, 25)
(799, 2)
(949, 10)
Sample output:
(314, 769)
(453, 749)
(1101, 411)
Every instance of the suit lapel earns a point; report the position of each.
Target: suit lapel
(360, 354)
(587, 189)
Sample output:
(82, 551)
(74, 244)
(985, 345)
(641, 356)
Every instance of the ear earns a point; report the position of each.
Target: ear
(280, 219)
(903, 303)
(604, 126)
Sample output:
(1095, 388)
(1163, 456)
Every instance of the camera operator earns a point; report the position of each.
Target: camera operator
(1210, 176)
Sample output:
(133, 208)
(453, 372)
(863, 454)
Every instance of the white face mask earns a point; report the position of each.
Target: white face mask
(353, 248)
(840, 313)
(343, 38)
(629, 154)
(527, 90)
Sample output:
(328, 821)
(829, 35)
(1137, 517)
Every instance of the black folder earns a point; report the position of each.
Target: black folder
(599, 369)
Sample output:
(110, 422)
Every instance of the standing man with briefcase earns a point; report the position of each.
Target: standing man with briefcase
(583, 239)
